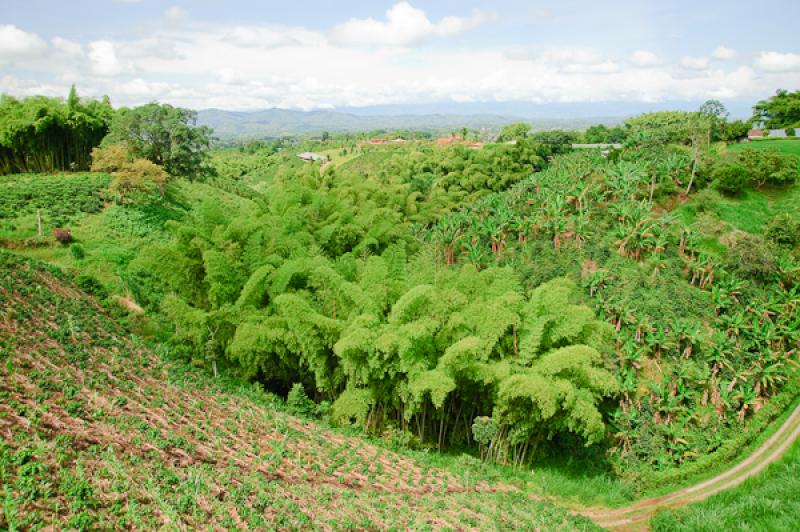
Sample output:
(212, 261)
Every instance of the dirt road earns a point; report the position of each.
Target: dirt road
(636, 516)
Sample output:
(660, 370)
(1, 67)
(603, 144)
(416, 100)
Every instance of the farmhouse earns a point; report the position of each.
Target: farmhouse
(311, 156)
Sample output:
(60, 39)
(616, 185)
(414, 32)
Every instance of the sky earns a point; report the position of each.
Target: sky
(256, 54)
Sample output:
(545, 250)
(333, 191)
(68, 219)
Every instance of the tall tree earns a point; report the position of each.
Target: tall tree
(165, 135)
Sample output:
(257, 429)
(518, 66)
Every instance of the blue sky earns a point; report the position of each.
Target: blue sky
(252, 54)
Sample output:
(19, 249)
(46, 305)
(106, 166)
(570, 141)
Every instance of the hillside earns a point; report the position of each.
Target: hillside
(99, 431)
(271, 123)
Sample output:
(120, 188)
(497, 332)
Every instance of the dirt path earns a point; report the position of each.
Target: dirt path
(636, 516)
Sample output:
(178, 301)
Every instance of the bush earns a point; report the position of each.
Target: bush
(730, 178)
(783, 230)
(769, 166)
(77, 251)
(752, 257)
(790, 132)
(139, 177)
(62, 235)
(90, 285)
(298, 403)
(110, 158)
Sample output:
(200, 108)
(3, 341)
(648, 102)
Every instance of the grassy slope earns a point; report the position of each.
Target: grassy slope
(768, 501)
(98, 431)
(786, 146)
(112, 236)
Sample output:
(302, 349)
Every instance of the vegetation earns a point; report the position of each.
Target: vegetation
(39, 134)
(779, 111)
(164, 135)
(99, 431)
(505, 305)
(765, 502)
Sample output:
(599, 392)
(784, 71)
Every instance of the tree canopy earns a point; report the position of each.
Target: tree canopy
(779, 111)
(165, 135)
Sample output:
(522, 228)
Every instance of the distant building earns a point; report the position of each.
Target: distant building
(399, 140)
(446, 141)
(377, 142)
(475, 145)
(755, 134)
(777, 133)
(311, 156)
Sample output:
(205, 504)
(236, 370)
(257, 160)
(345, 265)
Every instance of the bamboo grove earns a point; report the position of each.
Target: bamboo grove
(40, 134)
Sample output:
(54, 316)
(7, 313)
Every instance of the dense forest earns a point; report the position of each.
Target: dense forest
(633, 306)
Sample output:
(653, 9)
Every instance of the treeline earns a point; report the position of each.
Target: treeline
(44, 135)
(40, 134)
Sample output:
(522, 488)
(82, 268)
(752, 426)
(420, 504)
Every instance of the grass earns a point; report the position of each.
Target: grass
(768, 501)
(748, 212)
(100, 431)
(338, 158)
(789, 145)
(110, 235)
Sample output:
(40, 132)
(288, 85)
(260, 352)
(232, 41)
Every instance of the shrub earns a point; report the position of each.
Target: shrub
(297, 402)
(783, 230)
(790, 132)
(140, 176)
(77, 251)
(769, 166)
(62, 235)
(752, 257)
(90, 285)
(730, 178)
(110, 158)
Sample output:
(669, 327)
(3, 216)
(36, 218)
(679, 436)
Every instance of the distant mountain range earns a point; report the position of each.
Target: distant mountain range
(272, 123)
(437, 117)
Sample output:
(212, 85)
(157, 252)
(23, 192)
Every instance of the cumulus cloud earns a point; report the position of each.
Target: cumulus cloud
(695, 63)
(18, 44)
(258, 37)
(566, 60)
(723, 53)
(644, 58)
(66, 46)
(405, 25)
(778, 62)
(103, 58)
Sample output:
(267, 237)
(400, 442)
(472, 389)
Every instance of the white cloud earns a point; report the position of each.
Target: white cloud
(566, 60)
(405, 25)
(257, 37)
(695, 63)
(18, 44)
(723, 53)
(644, 58)
(66, 46)
(778, 62)
(103, 58)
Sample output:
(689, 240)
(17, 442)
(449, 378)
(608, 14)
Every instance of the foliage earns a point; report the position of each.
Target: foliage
(765, 502)
(730, 178)
(780, 111)
(784, 230)
(602, 134)
(514, 132)
(164, 135)
(753, 258)
(59, 198)
(40, 134)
